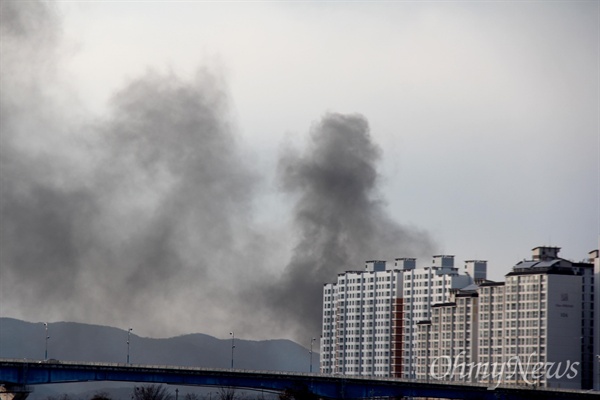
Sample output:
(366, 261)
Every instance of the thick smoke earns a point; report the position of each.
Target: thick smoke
(136, 218)
(143, 217)
(340, 219)
(41, 212)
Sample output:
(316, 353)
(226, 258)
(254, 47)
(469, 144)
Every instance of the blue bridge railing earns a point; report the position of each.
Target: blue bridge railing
(29, 372)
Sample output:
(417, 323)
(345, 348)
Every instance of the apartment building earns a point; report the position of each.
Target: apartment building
(449, 338)
(408, 321)
(491, 323)
(359, 321)
(365, 331)
(422, 288)
(542, 314)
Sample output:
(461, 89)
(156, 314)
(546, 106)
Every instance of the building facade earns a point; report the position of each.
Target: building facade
(448, 342)
(436, 323)
(365, 313)
(422, 289)
(359, 321)
(491, 323)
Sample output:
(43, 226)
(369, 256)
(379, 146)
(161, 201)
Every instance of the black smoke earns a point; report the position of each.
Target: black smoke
(144, 216)
(138, 217)
(339, 216)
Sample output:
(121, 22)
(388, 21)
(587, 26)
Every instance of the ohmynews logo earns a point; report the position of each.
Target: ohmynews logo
(514, 369)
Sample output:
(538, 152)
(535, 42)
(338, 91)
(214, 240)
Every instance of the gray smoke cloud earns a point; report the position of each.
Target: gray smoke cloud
(143, 217)
(29, 198)
(339, 215)
(136, 217)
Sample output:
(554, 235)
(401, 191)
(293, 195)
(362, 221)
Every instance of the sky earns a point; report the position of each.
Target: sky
(193, 166)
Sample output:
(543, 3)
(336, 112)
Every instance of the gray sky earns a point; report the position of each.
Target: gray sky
(480, 121)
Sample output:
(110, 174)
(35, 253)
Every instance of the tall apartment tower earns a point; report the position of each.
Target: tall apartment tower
(543, 313)
(422, 288)
(451, 334)
(371, 317)
(395, 322)
(359, 323)
(401, 264)
(491, 323)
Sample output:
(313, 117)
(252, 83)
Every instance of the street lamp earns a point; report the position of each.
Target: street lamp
(128, 341)
(232, 346)
(46, 339)
(311, 351)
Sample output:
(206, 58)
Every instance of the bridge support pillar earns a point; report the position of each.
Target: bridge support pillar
(14, 392)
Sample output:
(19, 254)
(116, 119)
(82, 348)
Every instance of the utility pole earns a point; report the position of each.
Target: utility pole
(311, 352)
(128, 341)
(232, 346)
(46, 346)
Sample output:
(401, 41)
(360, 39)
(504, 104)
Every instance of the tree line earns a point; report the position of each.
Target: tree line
(161, 392)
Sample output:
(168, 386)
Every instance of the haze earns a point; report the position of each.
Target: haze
(205, 167)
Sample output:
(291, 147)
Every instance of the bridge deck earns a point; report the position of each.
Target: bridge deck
(27, 372)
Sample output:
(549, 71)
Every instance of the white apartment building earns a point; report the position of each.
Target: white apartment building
(422, 288)
(491, 323)
(450, 337)
(359, 321)
(541, 314)
(396, 322)
(365, 313)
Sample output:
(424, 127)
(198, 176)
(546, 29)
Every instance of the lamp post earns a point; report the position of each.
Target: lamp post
(128, 341)
(46, 341)
(232, 346)
(311, 351)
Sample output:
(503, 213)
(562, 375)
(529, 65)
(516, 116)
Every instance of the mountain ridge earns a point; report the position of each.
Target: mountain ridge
(83, 342)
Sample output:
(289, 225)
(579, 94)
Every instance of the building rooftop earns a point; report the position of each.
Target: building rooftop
(471, 288)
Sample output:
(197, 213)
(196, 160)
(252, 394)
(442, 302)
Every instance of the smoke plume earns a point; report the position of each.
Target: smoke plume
(143, 217)
(339, 216)
(139, 217)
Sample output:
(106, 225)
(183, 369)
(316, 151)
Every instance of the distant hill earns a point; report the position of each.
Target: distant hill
(82, 342)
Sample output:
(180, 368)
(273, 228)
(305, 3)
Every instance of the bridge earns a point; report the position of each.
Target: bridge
(18, 374)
